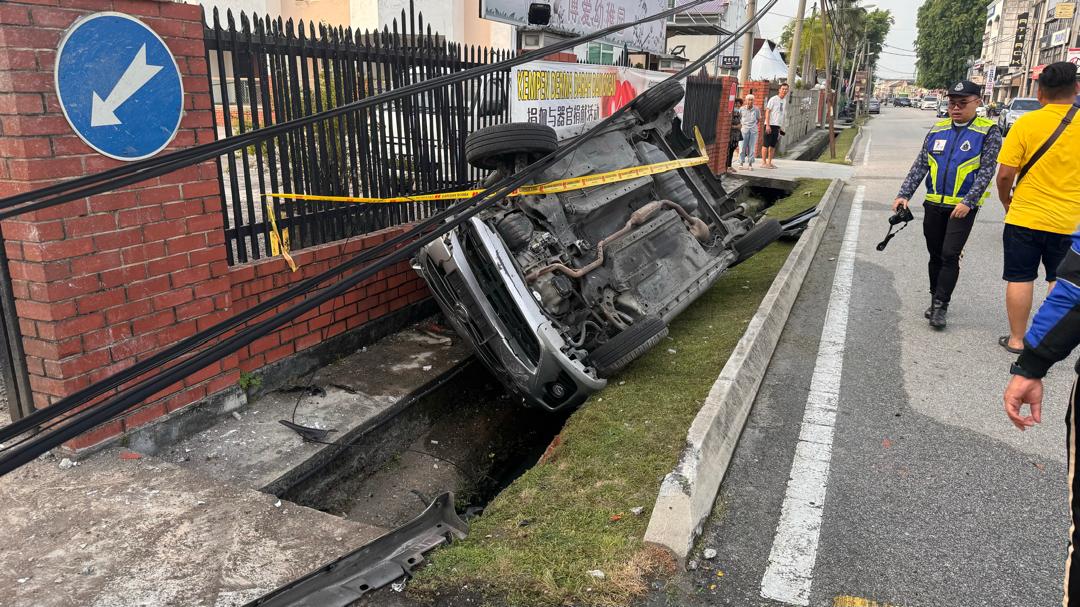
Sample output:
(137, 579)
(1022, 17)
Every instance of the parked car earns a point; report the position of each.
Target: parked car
(943, 108)
(1015, 109)
(902, 102)
(557, 292)
(930, 102)
(873, 106)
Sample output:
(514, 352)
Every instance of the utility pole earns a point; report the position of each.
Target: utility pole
(748, 44)
(829, 100)
(796, 43)
(808, 57)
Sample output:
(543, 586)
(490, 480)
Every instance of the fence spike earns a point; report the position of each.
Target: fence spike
(217, 18)
(245, 24)
(229, 19)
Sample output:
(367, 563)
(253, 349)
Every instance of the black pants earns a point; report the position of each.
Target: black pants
(1072, 567)
(945, 240)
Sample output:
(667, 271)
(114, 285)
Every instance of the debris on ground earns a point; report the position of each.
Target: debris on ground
(709, 553)
(66, 463)
(637, 510)
(596, 573)
(126, 454)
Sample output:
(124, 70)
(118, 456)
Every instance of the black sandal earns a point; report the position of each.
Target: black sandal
(1003, 341)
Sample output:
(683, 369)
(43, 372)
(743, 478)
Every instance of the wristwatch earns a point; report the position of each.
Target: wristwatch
(1016, 369)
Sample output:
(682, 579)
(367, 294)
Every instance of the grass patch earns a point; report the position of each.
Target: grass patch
(572, 513)
(807, 194)
(844, 139)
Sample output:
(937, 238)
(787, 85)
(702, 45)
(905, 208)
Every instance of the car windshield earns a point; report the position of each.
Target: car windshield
(1025, 104)
(934, 99)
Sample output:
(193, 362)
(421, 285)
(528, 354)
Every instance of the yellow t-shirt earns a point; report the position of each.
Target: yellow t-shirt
(1048, 198)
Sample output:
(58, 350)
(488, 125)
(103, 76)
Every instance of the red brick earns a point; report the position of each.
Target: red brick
(29, 126)
(97, 164)
(51, 349)
(57, 387)
(15, 60)
(39, 272)
(118, 239)
(112, 201)
(199, 307)
(185, 244)
(152, 322)
(144, 415)
(139, 216)
(72, 287)
(167, 265)
(76, 365)
(128, 311)
(90, 224)
(146, 288)
(166, 27)
(122, 276)
(69, 146)
(176, 333)
(38, 231)
(14, 15)
(141, 253)
(172, 298)
(44, 168)
(99, 434)
(205, 223)
(164, 230)
(96, 302)
(58, 249)
(89, 264)
(205, 322)
(45, 311)
(21, 103)
(51, 17)
(133, 347)
(138, 7)
(94, 340)
(190, 276)
(24, 82)
(159, 194)
(184, 12)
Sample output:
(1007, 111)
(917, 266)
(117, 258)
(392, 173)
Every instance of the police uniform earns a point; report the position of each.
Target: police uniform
(956, 164)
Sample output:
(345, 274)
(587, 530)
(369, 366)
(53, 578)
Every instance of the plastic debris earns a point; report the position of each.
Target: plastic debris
(236, 416)
(426, 367)
(671, 350)
(709, 553)
(66, 463)
(277, 504)
(595, 573)
(637, 510)
(398, 586)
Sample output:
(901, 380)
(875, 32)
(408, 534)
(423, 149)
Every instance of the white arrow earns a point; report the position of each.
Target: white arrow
(137, 74)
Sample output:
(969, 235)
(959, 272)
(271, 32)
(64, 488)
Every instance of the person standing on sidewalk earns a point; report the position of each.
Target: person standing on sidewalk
(1042, 199)
(1054, 333)
(774, 119)
(957, 161)
(749, 122)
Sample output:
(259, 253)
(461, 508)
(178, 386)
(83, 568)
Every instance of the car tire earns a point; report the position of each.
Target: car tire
(760, 236)
(492, 146)
(621, 350)
(659, 99)
(516, 230)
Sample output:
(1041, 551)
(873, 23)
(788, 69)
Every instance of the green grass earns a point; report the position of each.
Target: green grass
(572, 513)
(807, 194)
(844, 139)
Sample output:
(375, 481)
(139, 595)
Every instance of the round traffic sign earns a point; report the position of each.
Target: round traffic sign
(119, 86)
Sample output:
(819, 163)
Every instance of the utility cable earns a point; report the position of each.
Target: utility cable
(97, 414)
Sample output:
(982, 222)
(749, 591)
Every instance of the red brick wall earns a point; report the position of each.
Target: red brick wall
(101, 283)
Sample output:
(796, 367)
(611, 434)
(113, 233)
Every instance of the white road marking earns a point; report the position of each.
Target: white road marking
(866, 153)
(789, 573)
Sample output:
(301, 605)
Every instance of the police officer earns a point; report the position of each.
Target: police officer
(957, 161)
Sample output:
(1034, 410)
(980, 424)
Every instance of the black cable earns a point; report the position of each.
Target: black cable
(144, 169)
(100, 413)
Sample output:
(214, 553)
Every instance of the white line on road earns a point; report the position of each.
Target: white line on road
(866, 153)
(789, 573)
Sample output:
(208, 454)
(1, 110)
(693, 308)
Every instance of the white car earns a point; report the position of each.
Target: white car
(981, 111)
(929, 103)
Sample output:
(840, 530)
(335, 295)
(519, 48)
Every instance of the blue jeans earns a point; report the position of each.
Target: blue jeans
(748, 146)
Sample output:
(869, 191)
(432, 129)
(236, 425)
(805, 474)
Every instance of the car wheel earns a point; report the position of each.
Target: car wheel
(760, 236)
(659, 99)
(498, 144)
(621, 350)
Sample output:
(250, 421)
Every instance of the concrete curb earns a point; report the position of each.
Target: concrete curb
(688, 492)
(850, 157)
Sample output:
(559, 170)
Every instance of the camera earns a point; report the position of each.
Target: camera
(902, 215)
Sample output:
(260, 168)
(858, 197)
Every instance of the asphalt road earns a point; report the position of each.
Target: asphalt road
(932, 497)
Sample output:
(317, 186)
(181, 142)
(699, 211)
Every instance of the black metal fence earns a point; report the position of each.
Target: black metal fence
(265, 71)
(702, 105)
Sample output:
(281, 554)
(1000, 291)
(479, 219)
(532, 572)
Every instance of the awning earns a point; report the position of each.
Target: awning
(696, 29)
(1035, 71)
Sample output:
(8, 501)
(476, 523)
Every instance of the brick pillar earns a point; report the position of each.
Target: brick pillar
(101, 283)
(717, 160)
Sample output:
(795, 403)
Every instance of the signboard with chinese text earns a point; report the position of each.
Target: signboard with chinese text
(567, 94)
(1018, 42)
(991, 74)
(587, 16)
(730, 62)
(1064, 10)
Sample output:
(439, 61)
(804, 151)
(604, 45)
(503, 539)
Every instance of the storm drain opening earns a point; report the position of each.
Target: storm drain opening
(467, 435)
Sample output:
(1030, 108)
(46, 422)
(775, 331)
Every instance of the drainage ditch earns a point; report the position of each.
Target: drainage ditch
(466, 435)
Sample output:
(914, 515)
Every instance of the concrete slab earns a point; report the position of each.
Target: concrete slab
(253, 449)
(801, 169)
(113, 531)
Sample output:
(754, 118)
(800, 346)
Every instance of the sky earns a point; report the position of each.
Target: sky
(901, 39)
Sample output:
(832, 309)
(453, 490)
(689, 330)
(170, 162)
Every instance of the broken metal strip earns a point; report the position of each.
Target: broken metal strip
(396, 554)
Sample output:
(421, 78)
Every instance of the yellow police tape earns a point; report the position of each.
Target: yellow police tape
(280, 242)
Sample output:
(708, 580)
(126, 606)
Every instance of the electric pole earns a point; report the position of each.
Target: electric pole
(829, 100)
(748, 44)
(796, 44)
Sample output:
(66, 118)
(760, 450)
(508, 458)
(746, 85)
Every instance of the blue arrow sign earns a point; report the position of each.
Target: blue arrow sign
(119, 86)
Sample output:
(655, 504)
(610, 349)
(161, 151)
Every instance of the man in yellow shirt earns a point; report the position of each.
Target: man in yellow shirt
(1043, 210)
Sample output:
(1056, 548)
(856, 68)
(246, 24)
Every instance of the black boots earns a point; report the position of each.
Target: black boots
(936, 313)
(926, 314)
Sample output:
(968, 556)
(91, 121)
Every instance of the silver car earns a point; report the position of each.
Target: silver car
(1015, 109)
(557, 292)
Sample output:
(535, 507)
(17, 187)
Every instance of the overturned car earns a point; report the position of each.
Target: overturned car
(558, 292)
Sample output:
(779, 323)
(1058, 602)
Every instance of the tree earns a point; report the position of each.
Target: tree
(950, 34)
(857, 22)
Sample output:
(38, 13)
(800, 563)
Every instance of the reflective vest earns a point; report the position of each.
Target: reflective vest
(954, 155)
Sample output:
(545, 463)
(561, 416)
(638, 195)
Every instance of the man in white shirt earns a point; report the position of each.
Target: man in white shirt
(774, 119)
